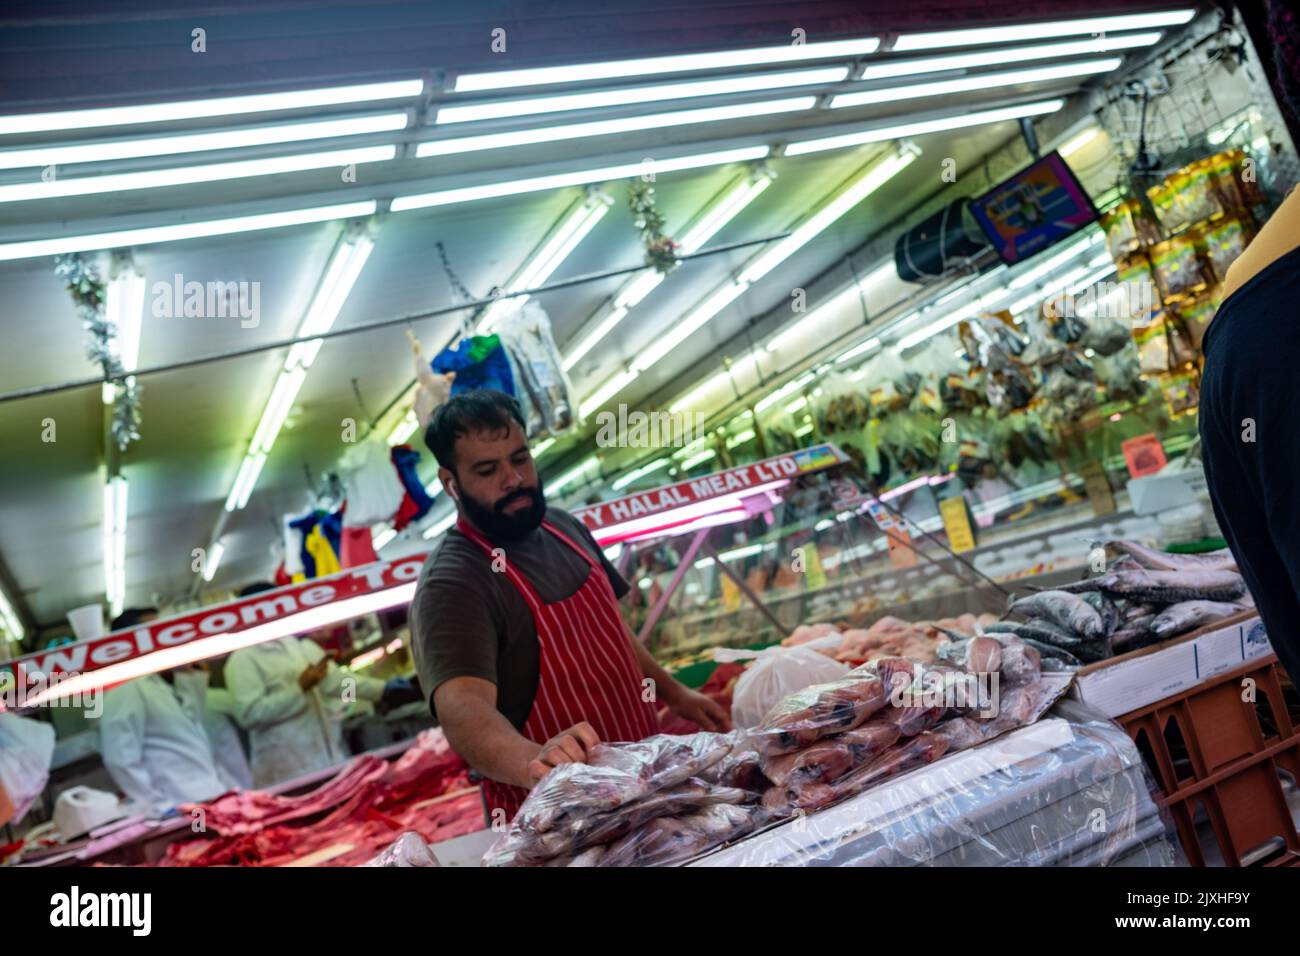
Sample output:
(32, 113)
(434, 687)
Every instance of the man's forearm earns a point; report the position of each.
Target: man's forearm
(489, 743)
(666, 686)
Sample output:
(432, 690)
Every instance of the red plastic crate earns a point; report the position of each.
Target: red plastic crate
(1212, 748)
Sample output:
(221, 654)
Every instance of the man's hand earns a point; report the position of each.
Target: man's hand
(700, 709)
(313, 674)
(569, 746)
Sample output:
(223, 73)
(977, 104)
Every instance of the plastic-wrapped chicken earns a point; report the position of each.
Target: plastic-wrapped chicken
(818, 711)
(409, 849)
(569, 798)
(669, 840)
(580, 834)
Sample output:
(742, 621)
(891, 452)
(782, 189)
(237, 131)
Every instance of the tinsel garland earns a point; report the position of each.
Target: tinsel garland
(660, 250)
(89, 294)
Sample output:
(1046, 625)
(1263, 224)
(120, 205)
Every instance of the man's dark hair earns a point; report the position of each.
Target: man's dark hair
(130, 617)
(257, 587)
(479, 410)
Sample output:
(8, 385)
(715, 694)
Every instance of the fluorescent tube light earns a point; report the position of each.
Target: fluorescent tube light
(870, 345)
(1019, 54)
(212, 172)
(1037, 31)
(10, 623)
(249, 469)
(767, 401)
(921, 127)
(585, 177)
(699, 459)
(115, 495)
(213, 560)
(441, 525)
(199, 142)
(124, 309)
(404, 429)
(542, 446)
(383, 537)
(651, 66)
(1078, 141)
(639, 94)
(859, 289)
(215, 106)
(636, 475)
(187, 230)
(981, 81)
(572, 474)
(628, 124)
(879, 174)
(607, 391)
(549, 255)
(706, 226)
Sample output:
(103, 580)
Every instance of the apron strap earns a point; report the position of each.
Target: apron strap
(525, 587)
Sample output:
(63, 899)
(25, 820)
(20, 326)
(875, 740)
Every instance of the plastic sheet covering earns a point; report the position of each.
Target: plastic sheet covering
(409, 849)
(1070, 790)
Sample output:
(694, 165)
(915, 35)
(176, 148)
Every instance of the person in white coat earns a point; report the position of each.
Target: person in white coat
(214, 708)
(290, 698)
(156, 752)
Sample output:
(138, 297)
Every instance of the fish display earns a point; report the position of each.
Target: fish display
(1188, 615)
(1069, 611)
(1038, 630)
(1109, 611)
(1143, 597)
(1164, 561)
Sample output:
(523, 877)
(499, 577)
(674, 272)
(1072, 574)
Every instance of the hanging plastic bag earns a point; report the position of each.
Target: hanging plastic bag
(776, 673)
(26, 748)
(526, 336)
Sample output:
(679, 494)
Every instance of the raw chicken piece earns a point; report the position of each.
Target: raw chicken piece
(809, 632)
(670, 840)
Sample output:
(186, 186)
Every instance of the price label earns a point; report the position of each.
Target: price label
(1144, 455)
(956, 521)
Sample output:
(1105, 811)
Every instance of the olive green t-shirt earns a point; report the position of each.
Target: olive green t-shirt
(470, 621)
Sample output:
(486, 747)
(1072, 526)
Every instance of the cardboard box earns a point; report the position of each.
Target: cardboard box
(1141, 678)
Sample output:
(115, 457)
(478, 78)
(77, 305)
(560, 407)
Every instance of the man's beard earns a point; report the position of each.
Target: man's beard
(499, 525)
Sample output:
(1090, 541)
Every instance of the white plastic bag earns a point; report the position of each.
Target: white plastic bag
(26, 748)
(775, 673)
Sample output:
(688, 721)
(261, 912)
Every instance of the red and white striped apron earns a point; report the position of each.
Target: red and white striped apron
(587, 669)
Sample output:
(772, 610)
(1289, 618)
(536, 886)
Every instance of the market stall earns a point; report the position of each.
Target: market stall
(870, 361)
